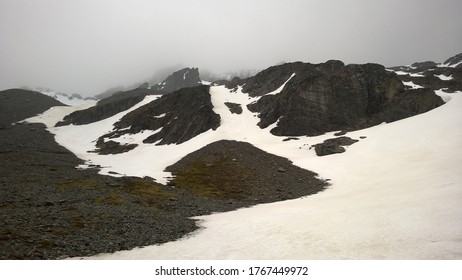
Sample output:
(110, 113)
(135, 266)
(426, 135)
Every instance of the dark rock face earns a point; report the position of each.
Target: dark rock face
(106, 108)
(407, 104)
(18, 104)
(333, 146)
(112, 147)
(184, 78)
(327, 97)
(179, 115)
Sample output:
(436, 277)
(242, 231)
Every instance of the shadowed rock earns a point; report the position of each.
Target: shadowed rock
(333, 146)
(177, 116)
(331, 96)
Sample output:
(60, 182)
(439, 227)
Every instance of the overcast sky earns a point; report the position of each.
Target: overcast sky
(87, 46)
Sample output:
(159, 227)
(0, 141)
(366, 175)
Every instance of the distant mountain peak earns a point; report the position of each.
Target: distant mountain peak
(445, 76)
(454, 62)
(74, 99)
(186, 77)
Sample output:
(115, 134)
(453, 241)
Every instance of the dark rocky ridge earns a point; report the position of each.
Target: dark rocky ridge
(425, 74)
(332, 96)
(184, 78)
(19, 104)
(181, 115)
(121, 101)
(106, 108)
(454, 60)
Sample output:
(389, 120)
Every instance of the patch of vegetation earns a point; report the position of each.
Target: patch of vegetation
(78, 183)
(45, 244)
(111, 198)
(9, 234)
(150, 192)
(222, 177)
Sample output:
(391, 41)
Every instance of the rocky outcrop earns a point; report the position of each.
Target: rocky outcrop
(184, 78)
(176, 117)
(234, 107)
(446, 76)
(330, 96)
(333, 146)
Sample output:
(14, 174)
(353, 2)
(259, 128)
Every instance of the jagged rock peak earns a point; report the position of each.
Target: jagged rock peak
(173, 118)
(187, 77)
(445, 76)
(455, 61)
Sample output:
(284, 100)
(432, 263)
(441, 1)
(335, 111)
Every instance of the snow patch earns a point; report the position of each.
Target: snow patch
(65, 98)
(160, 116)
(444, 77)
(184, 75)
(403, 73)
(450, 65)
(412, 85)
(278, 90)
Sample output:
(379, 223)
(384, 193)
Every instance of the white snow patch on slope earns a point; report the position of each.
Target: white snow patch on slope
(278, 90)
(412, 85)
(80, 139)
(57, 113)
(184, 75)
(450, 65)
(160, 116)
(402, 73)
(444, 77)
(65, 98)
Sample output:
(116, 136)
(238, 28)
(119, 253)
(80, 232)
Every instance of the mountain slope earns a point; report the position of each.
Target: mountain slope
(309, 99)
(121, 101)
(374, 181)
(18, 104)
(71, 100)
(393, 195)
(447, 75)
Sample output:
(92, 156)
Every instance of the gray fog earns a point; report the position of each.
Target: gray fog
(88, 46)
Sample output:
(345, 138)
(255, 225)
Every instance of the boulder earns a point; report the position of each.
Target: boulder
(333, 146)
